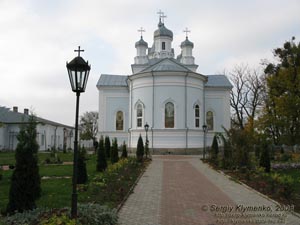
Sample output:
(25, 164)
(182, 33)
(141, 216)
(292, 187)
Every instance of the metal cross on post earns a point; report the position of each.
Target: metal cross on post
(163, 16)
(79, 50)
(160, 13)
(141, 30)
(186, 31)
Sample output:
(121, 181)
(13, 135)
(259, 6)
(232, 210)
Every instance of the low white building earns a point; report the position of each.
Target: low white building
(166, 93)
(49, 134)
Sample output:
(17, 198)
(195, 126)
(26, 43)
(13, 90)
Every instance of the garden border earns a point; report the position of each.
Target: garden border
(252, 189)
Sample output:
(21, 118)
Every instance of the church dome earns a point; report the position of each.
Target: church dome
(163, 31)
(141, 42)
(187, 42)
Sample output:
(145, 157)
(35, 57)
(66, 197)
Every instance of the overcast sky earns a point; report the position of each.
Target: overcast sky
(37, 37)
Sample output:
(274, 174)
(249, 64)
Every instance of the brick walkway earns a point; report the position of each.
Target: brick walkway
(181, 190)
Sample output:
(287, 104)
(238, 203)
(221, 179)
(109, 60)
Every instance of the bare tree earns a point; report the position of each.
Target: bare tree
(247, 95)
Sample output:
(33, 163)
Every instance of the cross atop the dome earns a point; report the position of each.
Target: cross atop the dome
(141, 30)
(186, 31)
(161, 16)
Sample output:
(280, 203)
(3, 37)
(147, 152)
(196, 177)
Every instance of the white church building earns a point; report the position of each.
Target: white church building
(168, 94)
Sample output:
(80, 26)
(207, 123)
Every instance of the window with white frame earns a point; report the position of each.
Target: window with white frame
(169, 115)
(139, 115)
(197, 116)
(119, 121)
(210, 120)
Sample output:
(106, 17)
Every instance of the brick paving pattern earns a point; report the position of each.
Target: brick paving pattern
(181, 190)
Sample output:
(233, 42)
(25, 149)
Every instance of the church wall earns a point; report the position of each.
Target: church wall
(217, 101)
(112, 100)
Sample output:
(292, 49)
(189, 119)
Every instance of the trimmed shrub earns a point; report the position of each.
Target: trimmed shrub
(82, 176)
(107, 147)
(124, 150)
(25, 186)
(214, 150)
(140, 149)
(114, 155)
(101, 158)
(90, 214)
(265, 158)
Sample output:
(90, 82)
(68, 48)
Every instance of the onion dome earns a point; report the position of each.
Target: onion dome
(163, 31)
(187, 42)
(141, 42)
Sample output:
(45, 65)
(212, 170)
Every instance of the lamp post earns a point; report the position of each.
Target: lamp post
(204, 127)
(147, 142)
(78, 71)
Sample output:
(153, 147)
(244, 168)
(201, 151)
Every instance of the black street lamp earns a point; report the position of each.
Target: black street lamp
(78, 71)
(204, 127)
(147, 141)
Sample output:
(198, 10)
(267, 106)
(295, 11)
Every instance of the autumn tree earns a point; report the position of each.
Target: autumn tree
(89, 126)
(282, 104)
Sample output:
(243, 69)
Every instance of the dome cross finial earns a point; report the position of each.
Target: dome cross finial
(161, 16)
(186, 31)
(141, 30)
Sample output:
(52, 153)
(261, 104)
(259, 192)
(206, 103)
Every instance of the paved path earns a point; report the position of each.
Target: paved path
(181, 190)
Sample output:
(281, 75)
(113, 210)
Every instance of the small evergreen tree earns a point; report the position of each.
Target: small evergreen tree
(101, 158)
(214, 150)
(82, 176)
(140, 149)
(124, 150)
(265, 158)
(114, 155)
(25, 186)
(107, 147)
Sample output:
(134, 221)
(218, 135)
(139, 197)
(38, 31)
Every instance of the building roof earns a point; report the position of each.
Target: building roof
(10, 117)
(214, 81)
(218, 81)
(141, 42)
(166, 64)
(187, 42)
(163, 31)
(112, 80)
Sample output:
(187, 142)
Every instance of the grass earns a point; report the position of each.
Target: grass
(8, 158)
(56, 191)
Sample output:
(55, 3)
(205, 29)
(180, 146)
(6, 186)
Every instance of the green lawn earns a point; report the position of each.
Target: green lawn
(57, 188)
(8, 158)
(56, 192)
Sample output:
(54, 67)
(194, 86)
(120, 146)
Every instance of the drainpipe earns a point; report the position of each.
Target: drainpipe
(204, 110)
(152, 137)
(55, 137)
(130, 111)
(186, 128)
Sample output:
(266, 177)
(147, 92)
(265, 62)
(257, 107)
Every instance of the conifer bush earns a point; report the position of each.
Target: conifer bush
(114, 155)
(107, 147)
(82, 176)
(25, 186)
(124, 150)
(265, 158)
(140, 149)
(101, 158)
(214, 150)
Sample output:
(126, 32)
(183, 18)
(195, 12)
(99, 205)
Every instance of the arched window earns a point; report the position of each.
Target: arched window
(210, 120)
(197, 116)
(139, 115)
(119, 121)
(169, 115)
